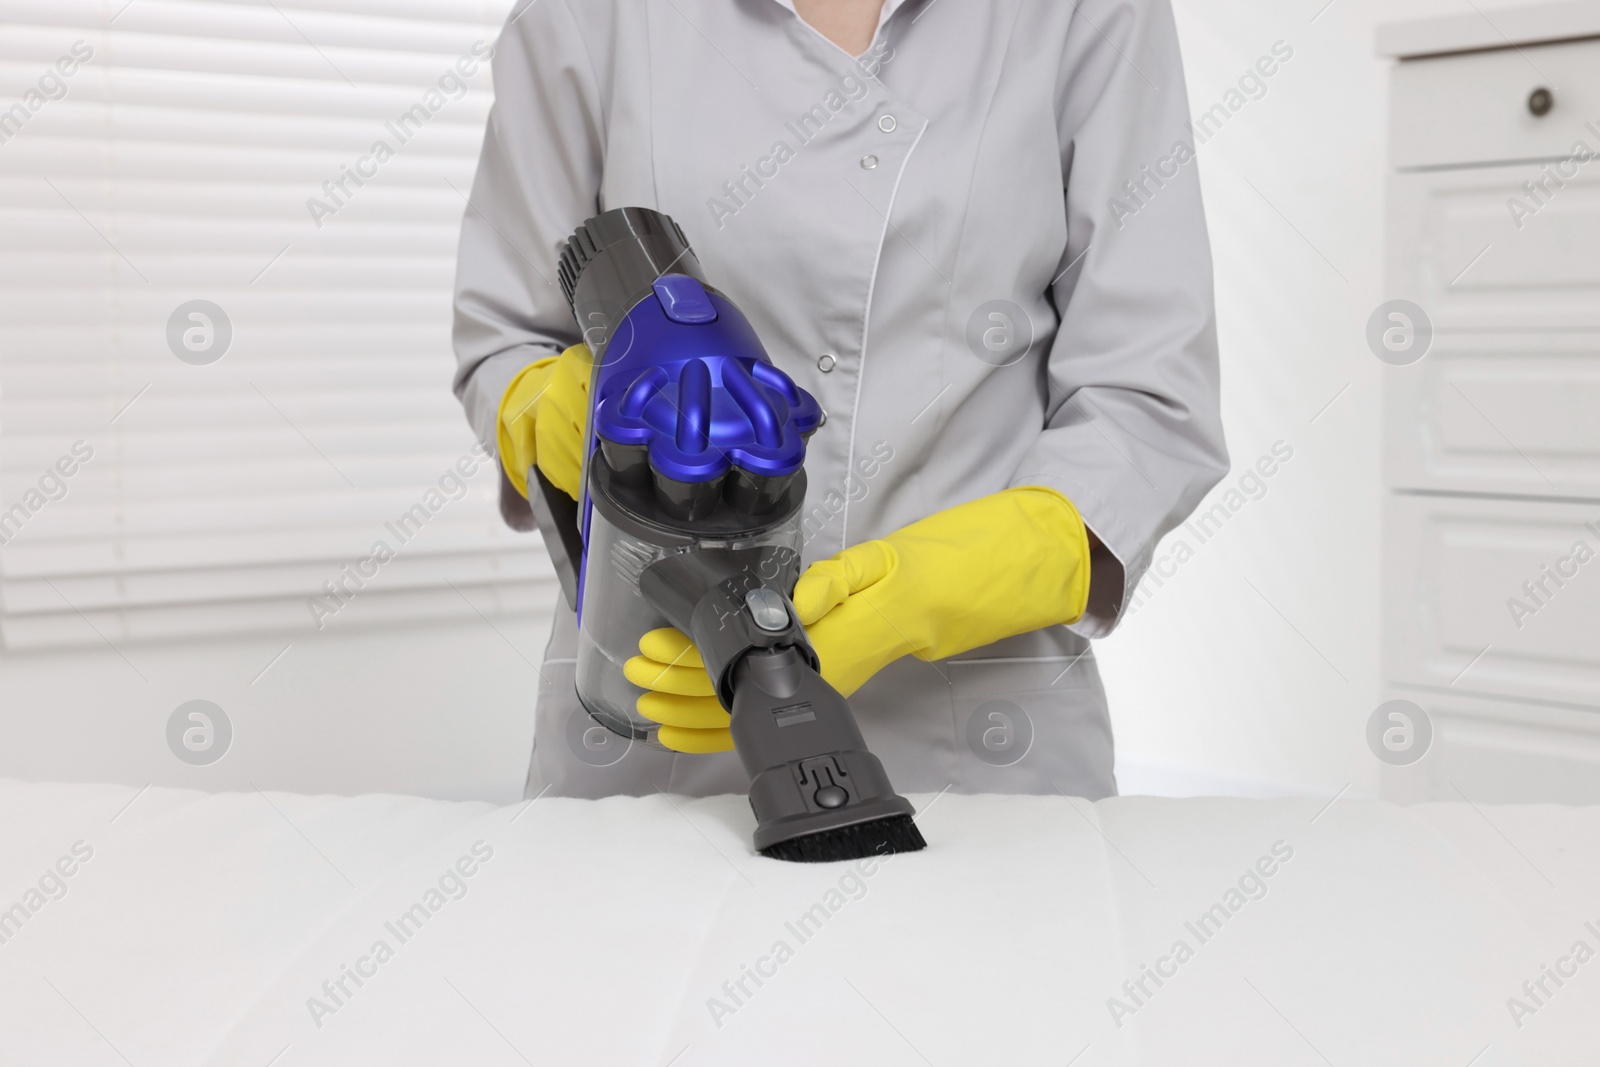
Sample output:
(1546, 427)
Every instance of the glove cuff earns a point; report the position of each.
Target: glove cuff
(515, 419)
(1002, 565)
(1074, 537)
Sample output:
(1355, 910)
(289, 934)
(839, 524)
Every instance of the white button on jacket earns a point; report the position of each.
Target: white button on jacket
(1017, 292)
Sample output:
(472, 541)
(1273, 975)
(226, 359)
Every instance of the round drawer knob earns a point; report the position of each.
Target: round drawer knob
(1540, 101)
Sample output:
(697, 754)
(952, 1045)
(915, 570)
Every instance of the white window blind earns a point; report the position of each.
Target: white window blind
(146, 496)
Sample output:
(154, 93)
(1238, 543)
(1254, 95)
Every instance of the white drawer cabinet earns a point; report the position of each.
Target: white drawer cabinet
(1494, 751)
(1500, 597)
(1502, 413)
(1492, 439)
(1446, 111)
(1458, 251)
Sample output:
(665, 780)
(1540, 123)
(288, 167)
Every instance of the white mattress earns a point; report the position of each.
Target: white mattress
(199, 928)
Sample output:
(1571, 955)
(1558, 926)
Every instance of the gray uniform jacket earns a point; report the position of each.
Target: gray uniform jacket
(980, 245)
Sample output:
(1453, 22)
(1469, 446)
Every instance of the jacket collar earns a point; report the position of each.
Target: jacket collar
(889, 8)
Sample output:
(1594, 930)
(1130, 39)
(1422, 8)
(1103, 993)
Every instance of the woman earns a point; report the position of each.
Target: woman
(974, 233)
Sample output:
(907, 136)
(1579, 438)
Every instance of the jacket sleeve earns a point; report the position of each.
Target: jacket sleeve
(1133, 431)
(538, 178)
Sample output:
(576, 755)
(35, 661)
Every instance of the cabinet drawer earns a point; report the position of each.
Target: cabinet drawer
(1491, 597)
(1474, 108)
(1456, 248)
(1499, 752)
(1497, 413)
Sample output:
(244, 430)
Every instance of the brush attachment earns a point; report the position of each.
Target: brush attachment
(879, 837)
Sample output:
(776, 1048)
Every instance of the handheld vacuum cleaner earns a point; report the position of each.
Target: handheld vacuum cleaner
(690, 517)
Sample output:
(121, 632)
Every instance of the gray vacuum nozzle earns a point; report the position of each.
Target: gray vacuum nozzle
(816, 791)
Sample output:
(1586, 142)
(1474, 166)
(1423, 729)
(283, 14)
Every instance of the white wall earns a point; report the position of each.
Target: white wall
(442, 710)
(188, 158)
(1254, 668)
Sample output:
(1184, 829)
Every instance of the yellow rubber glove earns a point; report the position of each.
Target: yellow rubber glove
(960, 579)
(544, 414)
